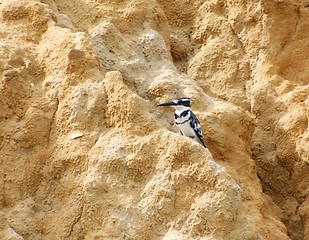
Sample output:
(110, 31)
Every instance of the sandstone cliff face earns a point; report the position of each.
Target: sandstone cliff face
(85, 153)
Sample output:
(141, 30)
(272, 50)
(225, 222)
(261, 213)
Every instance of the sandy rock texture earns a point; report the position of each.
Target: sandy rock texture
(86, 154)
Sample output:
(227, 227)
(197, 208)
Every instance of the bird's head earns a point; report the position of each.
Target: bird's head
(182, 102)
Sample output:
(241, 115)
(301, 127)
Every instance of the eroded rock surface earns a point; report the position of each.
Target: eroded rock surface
(85, 153)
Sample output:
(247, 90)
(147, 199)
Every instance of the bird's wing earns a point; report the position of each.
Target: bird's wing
(195, 124)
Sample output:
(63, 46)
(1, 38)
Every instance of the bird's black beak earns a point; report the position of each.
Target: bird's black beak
(167, 104)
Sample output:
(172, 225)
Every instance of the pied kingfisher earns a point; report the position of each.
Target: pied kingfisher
(185, 119)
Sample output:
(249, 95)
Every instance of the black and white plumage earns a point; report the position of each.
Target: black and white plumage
(185, 119)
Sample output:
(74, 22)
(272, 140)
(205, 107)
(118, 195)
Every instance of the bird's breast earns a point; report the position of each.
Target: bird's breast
(186, 129)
